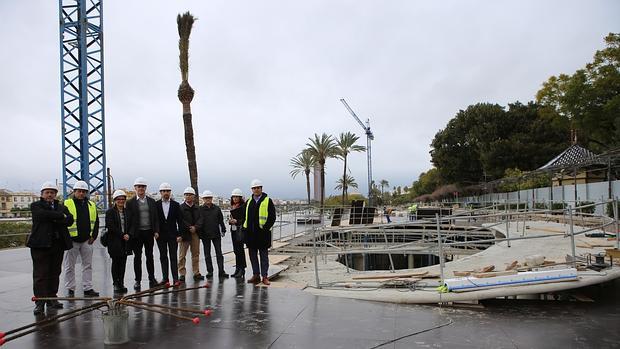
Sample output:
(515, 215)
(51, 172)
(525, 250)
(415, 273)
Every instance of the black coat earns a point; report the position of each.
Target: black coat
(117, 246)
(212, 222)
(238, 214)
(48, 223)
(190, 216)
(133, 215)
(169, 227)
(255, 237)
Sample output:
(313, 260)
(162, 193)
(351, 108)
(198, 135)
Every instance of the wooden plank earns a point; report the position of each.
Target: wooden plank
(495, 273)
(389, 276)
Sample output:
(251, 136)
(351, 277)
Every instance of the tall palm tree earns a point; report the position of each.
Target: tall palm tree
(344, 183)
(185, 22)
(321, 148)
(303, 162)
(383, 183)
(345, 145)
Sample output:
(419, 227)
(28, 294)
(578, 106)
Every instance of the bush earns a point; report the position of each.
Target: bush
(540, 206)
(588, 210)
(610, 208)
(19, 232)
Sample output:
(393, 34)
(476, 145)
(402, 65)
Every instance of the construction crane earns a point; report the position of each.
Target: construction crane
(369, 138)
(81, 97)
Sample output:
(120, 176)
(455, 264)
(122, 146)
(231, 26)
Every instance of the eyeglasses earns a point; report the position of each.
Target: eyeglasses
(165, 191)
(255, 188)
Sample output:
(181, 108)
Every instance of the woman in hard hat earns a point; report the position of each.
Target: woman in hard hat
(236, 220)
(117, 237)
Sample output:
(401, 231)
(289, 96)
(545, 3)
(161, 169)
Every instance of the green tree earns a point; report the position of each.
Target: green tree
(185, 93)
(383, 184)
(590, 98)
(321, 148)
(303, 162)
(343, 184)
(345, 145)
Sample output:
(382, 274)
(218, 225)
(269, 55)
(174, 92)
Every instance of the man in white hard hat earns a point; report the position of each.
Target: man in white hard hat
(189, 235)
(83, 232)
(170, 220)
(47, 242)
(260, 215)
(143, 228)
(211, 232)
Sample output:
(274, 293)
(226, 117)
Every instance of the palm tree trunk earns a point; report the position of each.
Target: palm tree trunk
(308, 186)
(344, 181)
(189, 146)
(322, 185)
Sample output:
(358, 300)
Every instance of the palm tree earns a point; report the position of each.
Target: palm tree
(346, 145)
(344, 183)
(185, 93)
(383, 183)
(303, 162)
(321, 148)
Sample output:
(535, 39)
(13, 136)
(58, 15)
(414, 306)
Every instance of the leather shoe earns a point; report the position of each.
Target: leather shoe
(137, 286)
(209, 275)
(198, 277)
(240, 274)
(91, 293)
(55, 304)
(266, 281)
(70, 293)
(39, 308)
(255, 279)
(182, 278)
(118, 289)
(223, 275)
(153, 283)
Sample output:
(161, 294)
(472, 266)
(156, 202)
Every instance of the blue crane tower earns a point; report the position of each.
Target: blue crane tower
(82, 102)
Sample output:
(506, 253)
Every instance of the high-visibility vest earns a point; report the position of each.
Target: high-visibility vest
(92, 213)
(263, 212)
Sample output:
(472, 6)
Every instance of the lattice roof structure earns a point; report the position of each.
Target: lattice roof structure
(573, 155)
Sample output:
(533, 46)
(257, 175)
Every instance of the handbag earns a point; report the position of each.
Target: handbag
(103, 239)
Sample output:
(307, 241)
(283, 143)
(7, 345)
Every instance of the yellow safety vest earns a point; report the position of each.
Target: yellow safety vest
(92, 212)
(263, 212)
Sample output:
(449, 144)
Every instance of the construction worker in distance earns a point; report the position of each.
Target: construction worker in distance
(189, 234)
(48, 241)
(143, 228)
(170, 220)
(83, 232)
(260, 215)
(212, 231)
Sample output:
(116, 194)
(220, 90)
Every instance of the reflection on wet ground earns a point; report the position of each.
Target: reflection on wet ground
(245, 316)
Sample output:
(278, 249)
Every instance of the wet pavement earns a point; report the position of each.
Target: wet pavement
(245, 316)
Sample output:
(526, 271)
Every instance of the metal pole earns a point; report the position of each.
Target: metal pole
(316, 265)
(294, 223)
(572, 237)
(389, 254)
(507, 225)
(280, 225)
(615, 205)
(441, 260)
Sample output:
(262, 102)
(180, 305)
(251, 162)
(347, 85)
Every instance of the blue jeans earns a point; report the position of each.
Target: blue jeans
(264, 261)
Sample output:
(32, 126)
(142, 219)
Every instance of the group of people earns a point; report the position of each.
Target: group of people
(133, 226)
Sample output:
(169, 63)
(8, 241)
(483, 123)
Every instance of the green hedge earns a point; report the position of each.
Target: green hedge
(11, 228)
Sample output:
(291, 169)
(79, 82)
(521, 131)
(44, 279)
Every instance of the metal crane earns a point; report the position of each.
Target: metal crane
(369, 138)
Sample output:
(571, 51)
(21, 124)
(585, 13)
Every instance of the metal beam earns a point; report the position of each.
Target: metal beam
(82, 97)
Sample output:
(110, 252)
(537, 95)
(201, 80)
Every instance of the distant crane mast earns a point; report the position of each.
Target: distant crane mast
(369, 138)
(81, 97)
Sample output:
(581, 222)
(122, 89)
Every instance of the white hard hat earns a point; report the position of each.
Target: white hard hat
(118, 193)
(256, 183)
(165, 186)
(49, 185)
(189, 190)
(139, 181)
(236, 192)
(206, 194)
(80, 185)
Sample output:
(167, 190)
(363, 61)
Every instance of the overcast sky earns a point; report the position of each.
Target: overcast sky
(269, 74)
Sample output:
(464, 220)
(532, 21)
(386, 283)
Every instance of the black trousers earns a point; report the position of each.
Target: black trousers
(217, 244)
(263, 267)
(170, 246)
(239, 253)
(46, 269)
(144, 238)
(118, 270)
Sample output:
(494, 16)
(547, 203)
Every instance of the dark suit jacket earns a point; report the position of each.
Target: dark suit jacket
(117, 246)
(133, 215)
(169, 228)
(47, 223)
